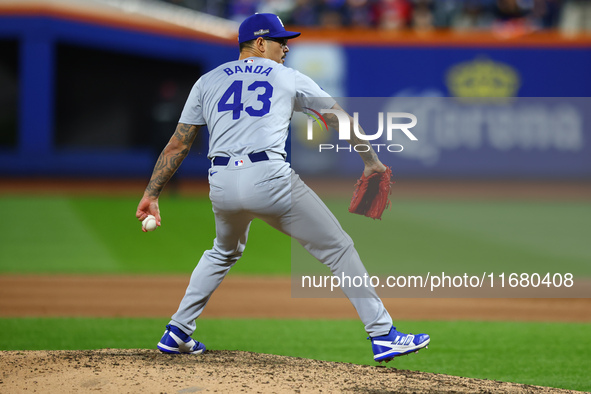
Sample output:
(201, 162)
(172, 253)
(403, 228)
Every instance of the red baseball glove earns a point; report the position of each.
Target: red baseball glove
(371, 195)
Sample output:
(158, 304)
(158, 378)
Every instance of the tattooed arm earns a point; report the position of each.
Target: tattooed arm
(169, 161)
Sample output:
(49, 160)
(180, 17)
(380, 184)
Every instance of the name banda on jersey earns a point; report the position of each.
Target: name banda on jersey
(249, 69)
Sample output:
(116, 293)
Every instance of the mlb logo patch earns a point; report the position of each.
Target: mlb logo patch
(249, 61)
(238, 163)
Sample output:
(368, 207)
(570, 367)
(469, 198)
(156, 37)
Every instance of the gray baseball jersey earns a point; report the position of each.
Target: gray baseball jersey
(247, 105)
(235, 101)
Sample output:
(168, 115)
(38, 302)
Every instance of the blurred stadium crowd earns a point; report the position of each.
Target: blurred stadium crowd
(566, 15)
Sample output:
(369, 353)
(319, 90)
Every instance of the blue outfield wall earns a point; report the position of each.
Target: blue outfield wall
(38, 37)
(541, 72)
(497, 72)
(352, 71)
(505, 137)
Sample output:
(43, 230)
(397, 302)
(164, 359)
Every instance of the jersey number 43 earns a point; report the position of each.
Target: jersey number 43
(232, 99)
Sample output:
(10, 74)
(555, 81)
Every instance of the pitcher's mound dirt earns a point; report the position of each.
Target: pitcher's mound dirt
(148, 371)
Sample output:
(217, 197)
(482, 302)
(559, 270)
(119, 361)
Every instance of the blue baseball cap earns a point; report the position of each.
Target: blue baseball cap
(263, 25)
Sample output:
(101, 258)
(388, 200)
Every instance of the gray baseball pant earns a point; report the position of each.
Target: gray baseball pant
(273, 192)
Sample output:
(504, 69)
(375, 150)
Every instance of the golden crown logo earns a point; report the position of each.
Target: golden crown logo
(483, 78)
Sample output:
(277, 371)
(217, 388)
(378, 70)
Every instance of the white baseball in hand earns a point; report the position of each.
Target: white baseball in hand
(149, 223)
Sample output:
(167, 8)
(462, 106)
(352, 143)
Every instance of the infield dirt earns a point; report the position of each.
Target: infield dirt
(148, 371)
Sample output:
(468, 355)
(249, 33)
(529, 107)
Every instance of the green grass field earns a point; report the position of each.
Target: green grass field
(101, 235)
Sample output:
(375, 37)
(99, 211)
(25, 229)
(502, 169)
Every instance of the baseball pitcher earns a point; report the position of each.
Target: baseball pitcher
(247, 106)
